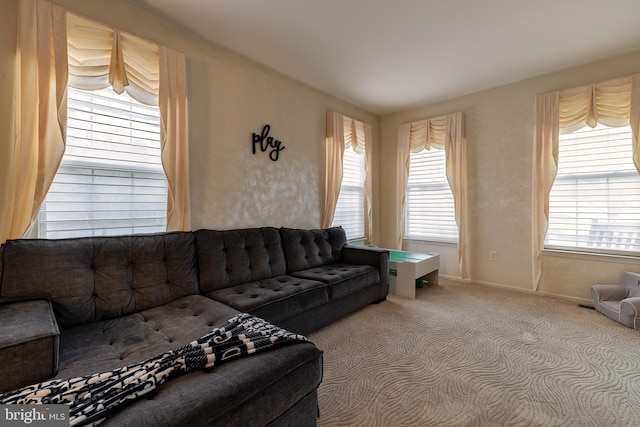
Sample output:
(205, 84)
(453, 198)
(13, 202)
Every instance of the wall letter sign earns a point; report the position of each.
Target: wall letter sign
(266, 142)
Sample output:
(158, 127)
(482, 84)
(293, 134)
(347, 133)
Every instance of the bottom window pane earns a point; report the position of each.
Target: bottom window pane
(349, 211)
(430, 209)
(594, 204)
(111, 180)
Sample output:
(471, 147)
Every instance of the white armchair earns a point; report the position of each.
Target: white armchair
(620, 302)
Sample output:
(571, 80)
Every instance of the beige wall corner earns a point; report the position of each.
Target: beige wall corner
(499, 131)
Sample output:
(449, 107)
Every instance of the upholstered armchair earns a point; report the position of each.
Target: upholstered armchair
(620, 302)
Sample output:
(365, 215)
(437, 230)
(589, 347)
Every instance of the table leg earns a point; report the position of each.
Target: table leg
(432, 277)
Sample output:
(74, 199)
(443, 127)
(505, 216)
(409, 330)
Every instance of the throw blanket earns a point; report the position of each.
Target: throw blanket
(93, 398)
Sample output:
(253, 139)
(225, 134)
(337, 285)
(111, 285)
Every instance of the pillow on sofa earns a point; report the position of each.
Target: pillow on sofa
(304, 249)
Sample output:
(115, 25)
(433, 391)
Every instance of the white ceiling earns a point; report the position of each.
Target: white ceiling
(390, 55)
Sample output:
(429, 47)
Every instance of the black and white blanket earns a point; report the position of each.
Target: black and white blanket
(93, 398)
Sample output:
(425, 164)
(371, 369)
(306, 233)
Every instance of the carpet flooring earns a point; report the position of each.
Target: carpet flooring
(469, 355)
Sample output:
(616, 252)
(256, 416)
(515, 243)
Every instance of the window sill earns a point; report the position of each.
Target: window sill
(625, 259)
(356, 241)
(431, 242)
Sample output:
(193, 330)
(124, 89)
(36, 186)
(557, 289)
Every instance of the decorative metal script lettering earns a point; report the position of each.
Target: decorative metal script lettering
(267, 142)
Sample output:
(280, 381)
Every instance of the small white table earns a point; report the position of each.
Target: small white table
(410, 266)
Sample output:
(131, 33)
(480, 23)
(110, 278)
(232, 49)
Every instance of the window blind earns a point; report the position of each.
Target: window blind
(594, 204)
(430, 210)
(111, 179)
(349, 211)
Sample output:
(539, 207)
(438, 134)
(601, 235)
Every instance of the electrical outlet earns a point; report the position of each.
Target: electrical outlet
(493, 255)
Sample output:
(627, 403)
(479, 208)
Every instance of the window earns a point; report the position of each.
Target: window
(430, 211)
(594, 204)
(349, 211)
(111, 179)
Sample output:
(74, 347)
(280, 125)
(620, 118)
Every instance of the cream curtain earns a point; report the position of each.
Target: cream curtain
(456, 158)
(444, 132)
(101, 56)
(613, 103)
(402, 178)
(334, 153)
(40, 115)
(368, 181)
(56, 48)
(545, 166)
(174, 135)
(344, 133)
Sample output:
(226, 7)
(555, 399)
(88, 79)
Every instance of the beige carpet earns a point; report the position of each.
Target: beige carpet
(471, 355)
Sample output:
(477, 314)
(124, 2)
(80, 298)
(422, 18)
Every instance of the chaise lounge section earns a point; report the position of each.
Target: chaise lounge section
(74, 307)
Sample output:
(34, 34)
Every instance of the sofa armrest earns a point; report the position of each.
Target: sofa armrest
(29, 341)
(352, 254)
(629, 310)
(608, 292)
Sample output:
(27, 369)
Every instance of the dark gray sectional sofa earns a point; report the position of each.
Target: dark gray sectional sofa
(74, 307)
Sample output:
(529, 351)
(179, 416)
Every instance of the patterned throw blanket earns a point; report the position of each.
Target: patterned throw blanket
(93, 398)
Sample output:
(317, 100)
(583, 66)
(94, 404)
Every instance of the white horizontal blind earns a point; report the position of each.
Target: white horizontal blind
(430, 211)
(111, 179)
(349, 211)
(594, 204)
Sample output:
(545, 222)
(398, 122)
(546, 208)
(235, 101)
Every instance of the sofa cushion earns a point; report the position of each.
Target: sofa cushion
(107, 344)
(93, 278)
(274, 299)
(251, 390)
(232, 257)
(342, 278)
(306, 249)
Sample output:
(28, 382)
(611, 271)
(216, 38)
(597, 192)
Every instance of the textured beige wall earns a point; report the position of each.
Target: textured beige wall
(499, 129)
(230, 97)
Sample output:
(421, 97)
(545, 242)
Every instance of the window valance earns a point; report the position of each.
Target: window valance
(607, 102)
(353, 134)
(101, 56)
(424, 134)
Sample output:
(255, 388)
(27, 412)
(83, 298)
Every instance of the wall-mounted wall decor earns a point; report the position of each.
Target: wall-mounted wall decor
(267, 142)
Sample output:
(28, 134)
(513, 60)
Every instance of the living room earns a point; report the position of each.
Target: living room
(236, 96)
(231, 97)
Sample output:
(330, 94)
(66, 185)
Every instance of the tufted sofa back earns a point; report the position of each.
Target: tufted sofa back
(94, 278)
(312, 248)
(231, 257)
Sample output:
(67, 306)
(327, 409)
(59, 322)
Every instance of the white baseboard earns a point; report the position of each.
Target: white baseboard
(582, 301)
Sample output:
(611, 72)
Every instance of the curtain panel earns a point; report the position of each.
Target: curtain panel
(40, 115)
(344, 133)
(56, 48)
(444, 132)
(368, 182)
(174, 135)
(613, 103)
(334, 153)
(101, 56)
